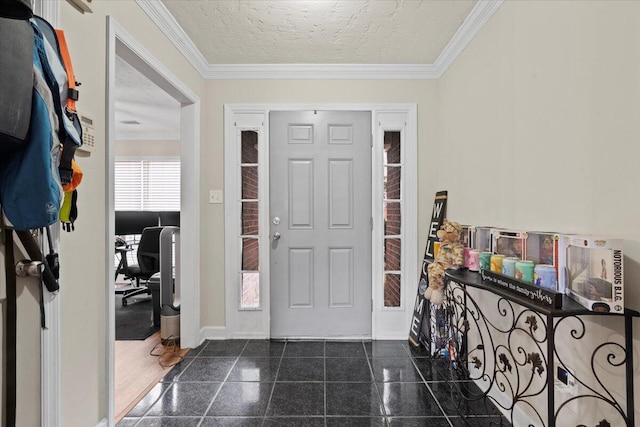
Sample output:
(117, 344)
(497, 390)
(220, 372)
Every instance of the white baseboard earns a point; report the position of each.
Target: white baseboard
(220, 333)
(250, 336)
(213, 333)
(103, 423)
(393, 336)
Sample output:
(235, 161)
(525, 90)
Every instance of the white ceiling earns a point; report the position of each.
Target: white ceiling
(320, 31)
(143, 111)
(304, 34)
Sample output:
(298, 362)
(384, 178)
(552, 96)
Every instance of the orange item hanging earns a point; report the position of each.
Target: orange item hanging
(71, 77)
(75, 180)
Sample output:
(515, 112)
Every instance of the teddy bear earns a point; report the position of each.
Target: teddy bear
(433, 293)
(450, 256)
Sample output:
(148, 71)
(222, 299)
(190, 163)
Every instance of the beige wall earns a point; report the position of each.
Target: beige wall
(142, 148)
(549, 113)
(541, 115)
(83, 269)
(219, 93)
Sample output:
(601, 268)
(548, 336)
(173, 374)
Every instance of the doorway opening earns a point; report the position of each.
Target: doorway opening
(154, 161)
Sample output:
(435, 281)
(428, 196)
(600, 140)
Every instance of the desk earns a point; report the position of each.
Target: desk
(508, 344)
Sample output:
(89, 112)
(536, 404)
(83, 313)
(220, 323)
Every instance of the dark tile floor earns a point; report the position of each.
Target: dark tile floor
(294, 383)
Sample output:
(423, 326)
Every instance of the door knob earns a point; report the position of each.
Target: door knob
(276, 236)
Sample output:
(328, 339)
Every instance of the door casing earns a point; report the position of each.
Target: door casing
(120, 42)
(387, 322)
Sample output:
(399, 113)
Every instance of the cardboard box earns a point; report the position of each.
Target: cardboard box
(466, 236)
(480, 238)
(509, 243)
(591, 272)
(542, 248)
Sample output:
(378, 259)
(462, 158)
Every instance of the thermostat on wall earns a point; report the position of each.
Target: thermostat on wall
(88, 134)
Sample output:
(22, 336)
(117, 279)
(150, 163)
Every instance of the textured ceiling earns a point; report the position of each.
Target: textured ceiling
(138, 99)
(320, 31)
(288, 32)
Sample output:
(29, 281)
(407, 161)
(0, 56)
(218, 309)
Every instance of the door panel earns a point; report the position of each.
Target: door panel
(320, 190)
(341, 194)
(301, 195)
(300, 279)
(341, 277)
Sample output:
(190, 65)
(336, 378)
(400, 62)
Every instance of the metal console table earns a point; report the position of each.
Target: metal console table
(503, 342)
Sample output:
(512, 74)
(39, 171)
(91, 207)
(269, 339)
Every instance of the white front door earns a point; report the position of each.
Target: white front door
(320, 229)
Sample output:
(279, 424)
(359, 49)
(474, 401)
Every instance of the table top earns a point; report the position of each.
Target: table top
(569, 306)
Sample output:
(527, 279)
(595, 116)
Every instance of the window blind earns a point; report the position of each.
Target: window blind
(147, 185)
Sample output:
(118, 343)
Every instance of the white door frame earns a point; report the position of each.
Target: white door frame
(387, 323)
(120, 42)
(50, 351)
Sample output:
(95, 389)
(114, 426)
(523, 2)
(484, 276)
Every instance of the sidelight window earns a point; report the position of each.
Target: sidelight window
(249, 204)
(392, 214)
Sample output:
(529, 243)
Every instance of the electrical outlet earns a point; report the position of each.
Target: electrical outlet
(215, 196)
(566, 381)
(563, 375)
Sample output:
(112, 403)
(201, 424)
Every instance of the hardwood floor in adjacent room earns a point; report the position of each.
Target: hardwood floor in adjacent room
(137, 371)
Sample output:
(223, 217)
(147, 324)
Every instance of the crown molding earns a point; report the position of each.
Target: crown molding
(165, 21)
(320, 71)
(479, 15)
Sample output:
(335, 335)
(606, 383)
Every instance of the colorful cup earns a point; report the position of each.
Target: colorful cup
(545, 276)
(509, 266)
(466, 257)
(436, 249)
(496, 263)
(485, 260)
(524, 271)
(473, 263)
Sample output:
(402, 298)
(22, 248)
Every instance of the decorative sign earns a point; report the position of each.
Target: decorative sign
(439, 211)
(538, 296)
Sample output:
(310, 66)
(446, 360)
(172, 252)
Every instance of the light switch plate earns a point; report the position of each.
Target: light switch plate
(215, 196)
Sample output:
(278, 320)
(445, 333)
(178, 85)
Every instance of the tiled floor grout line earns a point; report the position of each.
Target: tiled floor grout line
(426, 383)
(173, 382)
(324, 383)
(273, 387)
(375, 383)
(222, 383)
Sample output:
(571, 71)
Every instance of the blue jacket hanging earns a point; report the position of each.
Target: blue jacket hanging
(30, 188)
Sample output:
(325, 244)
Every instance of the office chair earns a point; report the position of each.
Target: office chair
(148, 261)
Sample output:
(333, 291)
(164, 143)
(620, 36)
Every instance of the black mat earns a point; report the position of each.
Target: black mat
(134, 322)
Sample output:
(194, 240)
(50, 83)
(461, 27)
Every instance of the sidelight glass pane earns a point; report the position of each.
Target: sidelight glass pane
(250, 290)
(392, 218)
(250, 254)
(392, 252)
(249, 147)
(392, 182)
(392, 290)
(250, 219)
(249, 182)
(392, 148)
